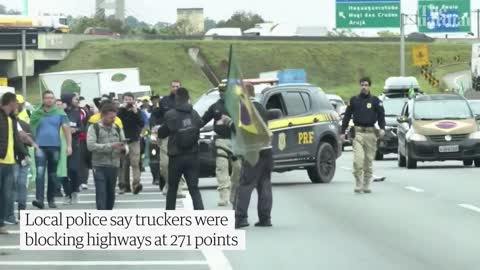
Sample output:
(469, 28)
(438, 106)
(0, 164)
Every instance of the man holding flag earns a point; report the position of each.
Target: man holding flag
(251, 140)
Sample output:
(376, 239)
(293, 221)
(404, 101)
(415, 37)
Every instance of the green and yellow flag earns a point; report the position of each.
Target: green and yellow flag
(461, 89)
(251, 132)
(411, 92)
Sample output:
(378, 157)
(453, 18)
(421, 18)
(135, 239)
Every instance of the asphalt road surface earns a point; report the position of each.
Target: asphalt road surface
(453, 80)
(425, 219)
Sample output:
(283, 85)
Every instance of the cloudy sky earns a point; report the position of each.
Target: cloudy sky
(298, 12)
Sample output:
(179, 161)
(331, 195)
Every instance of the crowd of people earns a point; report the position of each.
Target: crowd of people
(62, 140)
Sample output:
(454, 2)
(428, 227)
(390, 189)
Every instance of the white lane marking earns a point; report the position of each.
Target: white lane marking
(13, 232)
(351, 170)
(414, 189)
(216, 259)
(99, 263)
(126, 194)
(470, 207)
(125, 201)
(9, 247)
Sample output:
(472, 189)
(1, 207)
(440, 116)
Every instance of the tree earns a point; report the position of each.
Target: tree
(243, 20)
(183, 28)
(80, 24)
(115, 25)
(3, 10)
(342, 33)
(387, 34)
(209, 24)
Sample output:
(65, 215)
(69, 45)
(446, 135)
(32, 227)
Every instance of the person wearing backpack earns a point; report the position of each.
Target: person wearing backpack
(106, 141)
(182, 127)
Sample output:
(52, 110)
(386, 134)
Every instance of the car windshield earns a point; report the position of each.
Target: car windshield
(394, 106)
(475, 105)
(205, 101)
(442, 109)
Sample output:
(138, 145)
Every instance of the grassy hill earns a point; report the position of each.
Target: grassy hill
(335, 67)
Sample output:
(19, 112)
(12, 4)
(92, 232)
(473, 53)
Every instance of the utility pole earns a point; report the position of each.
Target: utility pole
(402, 44)
(24, 63)
(25, 8)
(478, 23)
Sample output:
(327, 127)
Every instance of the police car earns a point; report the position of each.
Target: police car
(438, 128)
(305, 130)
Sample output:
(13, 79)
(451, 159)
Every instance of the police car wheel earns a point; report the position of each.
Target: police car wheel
(411, 163)
(378, 156)
(325, 164)
(468, 162)
(477, 163)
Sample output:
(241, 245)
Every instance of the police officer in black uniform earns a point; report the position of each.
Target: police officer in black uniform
(366, 110)
(182, 127)
(166, 104)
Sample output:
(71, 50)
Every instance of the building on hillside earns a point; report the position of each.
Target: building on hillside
(190, 21)
(118, 6)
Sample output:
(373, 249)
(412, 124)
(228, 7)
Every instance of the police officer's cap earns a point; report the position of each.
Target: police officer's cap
(222, 87)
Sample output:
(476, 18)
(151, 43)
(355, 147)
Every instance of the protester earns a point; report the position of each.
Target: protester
(71, 184)
(9, 146)
(22, 166)
(83, 171)
(46, 122)
(255, 176)
(106, 141)
(166, 103)
(182, 127)
(133, 125)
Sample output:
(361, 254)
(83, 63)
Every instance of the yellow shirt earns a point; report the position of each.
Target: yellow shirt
(23, 115)
(96, 117)
(10, 157)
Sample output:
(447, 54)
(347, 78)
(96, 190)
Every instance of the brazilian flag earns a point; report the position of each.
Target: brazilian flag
(411, 92)
(461, 89)
(251, 132)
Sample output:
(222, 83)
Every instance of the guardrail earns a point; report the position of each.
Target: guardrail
(11, 39)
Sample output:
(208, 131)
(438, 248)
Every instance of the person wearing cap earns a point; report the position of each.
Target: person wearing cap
(223, 145)
(23, 113)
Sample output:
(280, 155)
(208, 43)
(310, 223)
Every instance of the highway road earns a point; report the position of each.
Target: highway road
(453, 80)
(425, 219)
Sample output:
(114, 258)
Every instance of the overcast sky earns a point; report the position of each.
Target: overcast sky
(298, 12)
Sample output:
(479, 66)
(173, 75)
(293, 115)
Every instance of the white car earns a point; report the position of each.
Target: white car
(337, 103)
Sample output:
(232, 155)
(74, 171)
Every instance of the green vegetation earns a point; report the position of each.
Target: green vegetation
(335, 67)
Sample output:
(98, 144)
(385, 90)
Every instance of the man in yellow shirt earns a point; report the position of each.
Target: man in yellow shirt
(8, 146)
(97, 116)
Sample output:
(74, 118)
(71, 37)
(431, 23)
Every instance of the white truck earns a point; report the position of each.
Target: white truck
(224, 31)
(475, 66)
(57, 24)
(95, 83)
